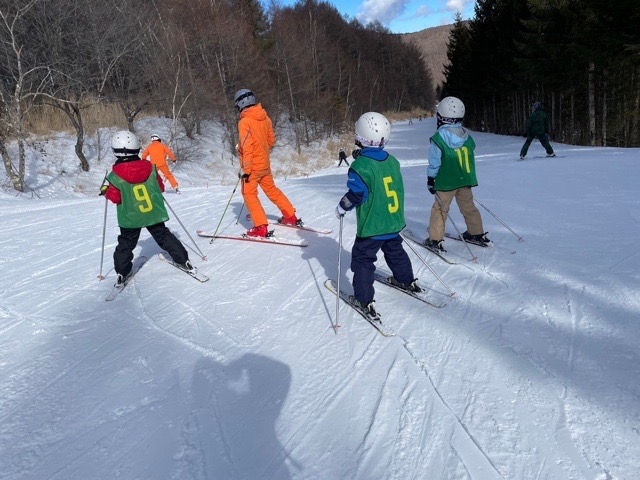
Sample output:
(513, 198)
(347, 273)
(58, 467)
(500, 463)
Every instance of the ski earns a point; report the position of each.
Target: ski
(384, 278)
(323, 231)
(472, 242)
(375, 323)
(137, 265)
(409, 235)
(541, 156)
(300, 226)
(195, 274)
(272, 240)
(480, 244)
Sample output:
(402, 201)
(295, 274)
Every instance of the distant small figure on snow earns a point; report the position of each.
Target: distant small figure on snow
(157, 153)
(537, 127)
(342, 157)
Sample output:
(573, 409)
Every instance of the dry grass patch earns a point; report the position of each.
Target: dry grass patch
(45, 119)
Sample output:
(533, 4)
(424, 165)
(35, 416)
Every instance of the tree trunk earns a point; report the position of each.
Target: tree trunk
(553, 113)
(634, 137)
(16, 180)
(75, 115)
(592, 104)
(572, 122)
(21, 166)
(604, 109)
(293, 107)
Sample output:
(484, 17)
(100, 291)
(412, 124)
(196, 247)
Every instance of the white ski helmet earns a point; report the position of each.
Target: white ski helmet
(155, 137)
(244, 98)
(125, 144)
(372, 130)
(450, 110)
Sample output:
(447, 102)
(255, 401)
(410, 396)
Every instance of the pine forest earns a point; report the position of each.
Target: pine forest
(580, 58)
(313, 67)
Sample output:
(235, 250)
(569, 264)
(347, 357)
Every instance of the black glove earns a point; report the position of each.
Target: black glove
(355, 153)
(243, 176)
(431, 183)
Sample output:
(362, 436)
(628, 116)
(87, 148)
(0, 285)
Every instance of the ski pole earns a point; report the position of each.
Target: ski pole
(104, 232)
(337, 325)
(241, 208)
(104, 223)
(520, 239)
(473, 257)
(225, 211)
(202, 255)
(232, 193)
(451, 292)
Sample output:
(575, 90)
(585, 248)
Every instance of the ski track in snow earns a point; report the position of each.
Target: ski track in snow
(467, 448)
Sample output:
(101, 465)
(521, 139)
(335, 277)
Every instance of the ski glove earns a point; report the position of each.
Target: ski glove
(242, 175)
(340, 212)
(103, 187)
(431, 184)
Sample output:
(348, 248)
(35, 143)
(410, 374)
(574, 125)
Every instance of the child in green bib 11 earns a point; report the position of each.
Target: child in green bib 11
(451, 174)
(136, 188)
(376, 191)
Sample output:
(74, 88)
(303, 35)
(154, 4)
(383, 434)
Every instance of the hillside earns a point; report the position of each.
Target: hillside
(432, 42)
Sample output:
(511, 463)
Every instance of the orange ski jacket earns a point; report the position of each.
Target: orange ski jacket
(255, 140)
(158, 153)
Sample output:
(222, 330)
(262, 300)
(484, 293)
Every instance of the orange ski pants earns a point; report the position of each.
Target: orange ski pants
(164, 169)
(273, 193)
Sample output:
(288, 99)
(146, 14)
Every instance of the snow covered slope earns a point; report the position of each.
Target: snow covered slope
(531, 372)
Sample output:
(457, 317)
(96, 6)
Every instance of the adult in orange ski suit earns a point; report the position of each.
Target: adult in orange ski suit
(256, 138)
(157, 153)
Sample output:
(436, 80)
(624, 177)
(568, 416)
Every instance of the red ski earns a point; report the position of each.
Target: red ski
(272, 240)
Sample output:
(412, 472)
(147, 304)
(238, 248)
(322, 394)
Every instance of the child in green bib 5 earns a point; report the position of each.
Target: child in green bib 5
(376, 191)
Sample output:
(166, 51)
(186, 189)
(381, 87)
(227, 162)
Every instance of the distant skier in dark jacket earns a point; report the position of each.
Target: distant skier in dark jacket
(136, 188)
(342, 157)
(537, 127)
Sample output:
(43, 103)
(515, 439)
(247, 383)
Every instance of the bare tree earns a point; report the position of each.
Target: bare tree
(86, 43)
(22, 78)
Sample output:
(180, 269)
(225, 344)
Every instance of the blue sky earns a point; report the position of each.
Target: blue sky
(403, 16)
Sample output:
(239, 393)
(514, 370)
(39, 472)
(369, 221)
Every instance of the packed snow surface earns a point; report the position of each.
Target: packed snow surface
(531, 371)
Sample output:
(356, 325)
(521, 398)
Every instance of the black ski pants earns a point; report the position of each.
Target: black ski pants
(128, 239)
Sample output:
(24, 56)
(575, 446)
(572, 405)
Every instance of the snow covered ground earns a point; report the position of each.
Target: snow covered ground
(532, 371)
